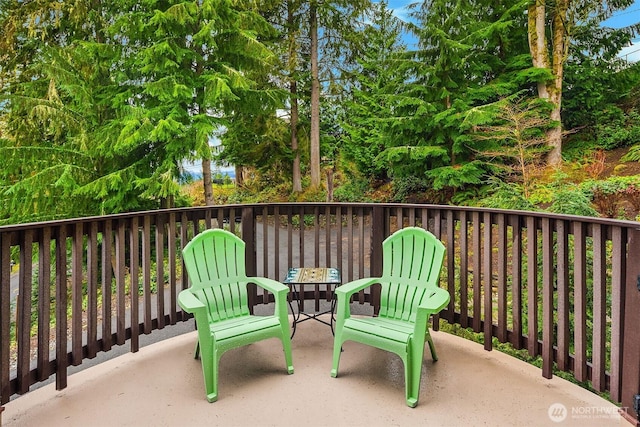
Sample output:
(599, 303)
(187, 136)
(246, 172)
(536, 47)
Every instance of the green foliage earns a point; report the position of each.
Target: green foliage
(354, 191)
(621, 130)
(100, 105)
(608, 195)
(569, 200)
(377, 81)
(507, 196)
(409, 188)
(594, 76)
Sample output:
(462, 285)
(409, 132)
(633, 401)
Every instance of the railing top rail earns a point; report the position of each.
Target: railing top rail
(535, 214)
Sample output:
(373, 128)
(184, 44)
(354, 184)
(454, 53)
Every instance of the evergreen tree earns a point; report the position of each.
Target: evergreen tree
(469, 55)
(375, 85)
(55, 80)
(183, 62)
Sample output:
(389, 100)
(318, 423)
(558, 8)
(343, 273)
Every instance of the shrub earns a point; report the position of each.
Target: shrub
(409, 189)
(507, 196)
(608, 195)
(352, 191)
(624, 132)
(572, 201)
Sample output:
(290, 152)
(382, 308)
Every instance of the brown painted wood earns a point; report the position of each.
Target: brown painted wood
(121, 294)
(563, 286)
(580, 301)
(44, 303)
(532, 287)
(631, 341)
(172, 256)
(450, 254)
(61, 309)
(516, 281)
(487, 282)
(93, 256)
(134, 269)
(599, 309)
(502, 277)
(23, 329)
(107, 276)
(464, 270)
(77, 276)
(618, 293)
(5, 315)
(548, 308)
(146, 273)
(160, 255)
(477, 272)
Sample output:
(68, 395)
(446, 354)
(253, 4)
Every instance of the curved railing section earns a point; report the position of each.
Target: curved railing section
(564, 288)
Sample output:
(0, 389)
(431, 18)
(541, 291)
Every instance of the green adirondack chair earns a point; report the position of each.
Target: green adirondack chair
(215, 262)
(412, 259)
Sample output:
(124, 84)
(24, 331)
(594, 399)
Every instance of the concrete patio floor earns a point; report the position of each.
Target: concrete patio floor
(162, 385)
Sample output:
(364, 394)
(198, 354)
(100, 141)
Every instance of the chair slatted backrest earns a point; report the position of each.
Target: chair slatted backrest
(412, 259)
(215, 262)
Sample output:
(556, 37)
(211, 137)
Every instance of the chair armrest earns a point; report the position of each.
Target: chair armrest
(436, 301)
(279, 291)
(343, 295)
(189, 302)
(270, 285)
(351, 288)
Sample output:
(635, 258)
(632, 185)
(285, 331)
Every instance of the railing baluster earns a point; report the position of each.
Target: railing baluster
(107, 277)
(477, 272)
(44, 303)
(487, 276)
(92, 290)
(5, 316)
(450, 254)
(134, 270)
(61, 308)
(349, 277)
(146, 272)
(160, 242)
(502, 278)
(563, 286)
(532, 287)
(23, 330)
(77, 249)
(599, 309)
(618, 280)
(580, 301)
(547, 298)
(464, 270)
(171, 249)
(516, 281)
(121, 305)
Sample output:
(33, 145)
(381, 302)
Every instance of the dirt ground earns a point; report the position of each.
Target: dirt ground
(614, 166)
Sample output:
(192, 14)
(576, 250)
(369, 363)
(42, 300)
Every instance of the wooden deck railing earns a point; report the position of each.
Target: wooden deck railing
(561, 287)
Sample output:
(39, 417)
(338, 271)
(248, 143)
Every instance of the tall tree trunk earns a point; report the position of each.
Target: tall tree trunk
(293, 88)
(239, 176)
(560, 52)
(297, 176)
(314, 161)
(550, 90)
(202, 142)
(207, 182)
